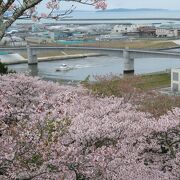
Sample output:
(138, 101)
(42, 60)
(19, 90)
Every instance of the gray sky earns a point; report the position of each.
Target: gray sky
(164, 4)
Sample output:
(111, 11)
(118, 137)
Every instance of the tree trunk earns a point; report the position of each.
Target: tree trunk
(2, 28)
(1, 34)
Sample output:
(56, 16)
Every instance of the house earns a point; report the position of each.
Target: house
(124, 29)
(134, 29)
(147, 31)
(168, 31)
(165, 32)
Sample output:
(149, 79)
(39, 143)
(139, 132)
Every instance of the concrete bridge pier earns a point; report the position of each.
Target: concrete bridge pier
(32, 56)
(128, 62)
(33, 69)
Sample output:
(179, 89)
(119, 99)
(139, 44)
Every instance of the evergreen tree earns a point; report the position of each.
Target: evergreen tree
(3, 68)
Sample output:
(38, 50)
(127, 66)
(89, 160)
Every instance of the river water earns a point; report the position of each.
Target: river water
(83, 67)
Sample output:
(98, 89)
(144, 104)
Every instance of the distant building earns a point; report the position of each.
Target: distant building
(39, 40)
(79, 35)
(134, 29)
(125, 28)
(168, 31)
(164, 32)
(147, 31)
(58, 35)
(110, 37)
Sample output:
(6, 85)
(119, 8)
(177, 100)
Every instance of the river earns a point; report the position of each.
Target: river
(93, 66)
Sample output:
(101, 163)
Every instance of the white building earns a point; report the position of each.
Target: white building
(175, 80)
(127, 28)
(167, 32)
(124, 28)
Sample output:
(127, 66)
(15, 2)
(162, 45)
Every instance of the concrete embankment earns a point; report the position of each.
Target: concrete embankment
(8, 58)
(53, 58)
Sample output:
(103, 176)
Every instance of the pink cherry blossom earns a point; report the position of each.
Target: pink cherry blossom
(51, 131)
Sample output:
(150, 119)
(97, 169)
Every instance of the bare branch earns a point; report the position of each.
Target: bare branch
(4, 7)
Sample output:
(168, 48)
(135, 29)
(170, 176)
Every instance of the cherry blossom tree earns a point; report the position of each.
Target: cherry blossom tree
(48, 131)
(27, 9)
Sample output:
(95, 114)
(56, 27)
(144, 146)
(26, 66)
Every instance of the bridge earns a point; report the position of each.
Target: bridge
(127, 54)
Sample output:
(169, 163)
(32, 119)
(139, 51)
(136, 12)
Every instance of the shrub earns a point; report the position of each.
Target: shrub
(111, 85)
(3, 68)
(158, 104)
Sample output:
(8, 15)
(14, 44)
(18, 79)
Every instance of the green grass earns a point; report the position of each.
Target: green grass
(154, 81)
(133, 44)
(118, 86)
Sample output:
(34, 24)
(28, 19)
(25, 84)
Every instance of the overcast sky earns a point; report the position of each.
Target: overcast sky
(165, 4)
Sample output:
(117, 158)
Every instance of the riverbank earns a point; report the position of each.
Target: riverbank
(151, 43)
(54, 58)
(109, 85)
(134, 44)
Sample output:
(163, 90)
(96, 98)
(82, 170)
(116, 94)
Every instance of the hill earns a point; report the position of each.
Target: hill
(127, 10)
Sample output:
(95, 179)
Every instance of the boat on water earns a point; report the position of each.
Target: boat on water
(64, 67)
